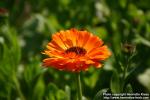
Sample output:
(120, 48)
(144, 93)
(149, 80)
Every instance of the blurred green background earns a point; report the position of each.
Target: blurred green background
(26, 27)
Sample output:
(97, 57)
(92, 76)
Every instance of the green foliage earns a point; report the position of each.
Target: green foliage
(9, 60)
(27, 25)
(56, 94)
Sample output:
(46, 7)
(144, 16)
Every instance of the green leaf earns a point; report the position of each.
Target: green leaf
(123, 3)
(32, 71)
(39, 89)
(68, 92)
(99, 95)
(51, 90)
(54, 93)
(115, 83)
(61, 95)
(131, 73)
(91, 80)
(140, 39)
(128, 89)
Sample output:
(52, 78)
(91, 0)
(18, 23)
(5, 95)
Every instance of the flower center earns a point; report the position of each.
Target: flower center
(77, 50)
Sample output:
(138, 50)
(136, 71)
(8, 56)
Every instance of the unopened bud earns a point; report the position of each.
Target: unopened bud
(3, 12)
(128, 48)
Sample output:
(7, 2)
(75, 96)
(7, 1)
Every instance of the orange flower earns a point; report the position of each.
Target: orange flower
(74, 50)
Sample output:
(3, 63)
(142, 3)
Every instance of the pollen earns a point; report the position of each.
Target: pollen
(77, 50)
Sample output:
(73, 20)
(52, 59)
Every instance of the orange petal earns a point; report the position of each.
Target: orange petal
(73, 36)
(92, 43)
(54, 62)
(57, 40)
(53, 44)
(99, 51)
(83, 38)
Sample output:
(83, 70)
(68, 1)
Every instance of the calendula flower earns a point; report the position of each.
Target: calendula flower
(74, 50)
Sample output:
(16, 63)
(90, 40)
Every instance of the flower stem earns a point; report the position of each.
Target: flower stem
(79, 89)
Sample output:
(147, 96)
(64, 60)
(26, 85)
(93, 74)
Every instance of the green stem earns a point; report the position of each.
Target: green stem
(79, 89)
(125, 73)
